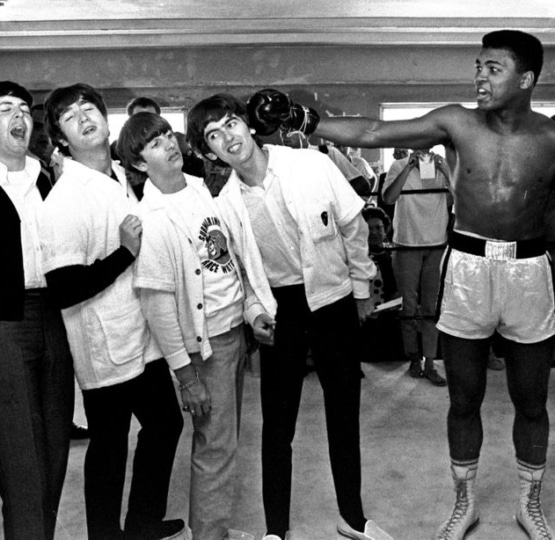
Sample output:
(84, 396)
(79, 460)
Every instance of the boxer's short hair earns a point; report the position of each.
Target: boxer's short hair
(525, 48)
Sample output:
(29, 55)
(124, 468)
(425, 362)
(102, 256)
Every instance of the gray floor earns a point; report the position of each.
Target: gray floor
(406, 484)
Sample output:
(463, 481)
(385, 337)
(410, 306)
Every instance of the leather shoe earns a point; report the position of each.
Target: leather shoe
(415, 369)
(434, 377)
(164, 530)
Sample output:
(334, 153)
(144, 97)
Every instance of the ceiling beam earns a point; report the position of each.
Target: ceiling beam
(162, 33)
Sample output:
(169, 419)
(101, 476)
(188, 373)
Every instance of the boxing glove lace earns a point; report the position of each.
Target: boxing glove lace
(270, 110)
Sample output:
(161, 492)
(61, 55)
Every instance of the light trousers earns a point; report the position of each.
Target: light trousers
(417, 272)
(215, 438)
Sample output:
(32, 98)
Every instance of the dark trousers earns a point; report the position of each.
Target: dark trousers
(331, 333)
(36, 409)
(151, 397)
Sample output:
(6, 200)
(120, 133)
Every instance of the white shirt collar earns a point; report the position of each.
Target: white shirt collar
(32, 166)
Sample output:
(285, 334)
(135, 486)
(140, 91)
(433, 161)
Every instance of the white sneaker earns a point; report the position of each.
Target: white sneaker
(371, 531)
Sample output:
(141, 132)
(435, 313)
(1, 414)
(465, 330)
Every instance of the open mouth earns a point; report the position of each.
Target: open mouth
(234, 148)
(18, 132)
(88, 130)
(481, 93)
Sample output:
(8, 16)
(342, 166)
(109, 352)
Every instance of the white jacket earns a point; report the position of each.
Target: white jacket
(108, 335)
(333, 235)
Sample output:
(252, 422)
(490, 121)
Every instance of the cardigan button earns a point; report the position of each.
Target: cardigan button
(199, 339)
(199, 306)
(197, 272)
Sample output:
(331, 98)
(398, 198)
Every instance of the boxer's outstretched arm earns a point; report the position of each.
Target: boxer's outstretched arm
(423, 132)
(270, 110)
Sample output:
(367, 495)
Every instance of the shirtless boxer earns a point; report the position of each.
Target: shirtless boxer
(496, 273)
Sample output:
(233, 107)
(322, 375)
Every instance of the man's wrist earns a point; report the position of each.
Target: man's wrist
(186, 385)
(186, 374)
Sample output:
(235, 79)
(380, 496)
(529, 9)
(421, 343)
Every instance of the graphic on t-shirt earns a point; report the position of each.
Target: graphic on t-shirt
(216, 245)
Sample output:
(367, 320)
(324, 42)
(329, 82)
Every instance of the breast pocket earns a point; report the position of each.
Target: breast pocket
(321, 222)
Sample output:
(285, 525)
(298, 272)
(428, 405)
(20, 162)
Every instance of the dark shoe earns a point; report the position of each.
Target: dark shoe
(79, 432)
(434, 377)
(495, 363)
(165, 530)
(415, 369)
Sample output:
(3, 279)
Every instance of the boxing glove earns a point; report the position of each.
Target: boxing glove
(270, 110)
(302, 118)
(267, 110)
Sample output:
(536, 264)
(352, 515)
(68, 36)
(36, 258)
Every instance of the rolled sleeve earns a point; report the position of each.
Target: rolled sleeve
(361, 267)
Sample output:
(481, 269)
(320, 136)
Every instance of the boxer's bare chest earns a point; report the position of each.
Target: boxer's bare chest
(502, 182)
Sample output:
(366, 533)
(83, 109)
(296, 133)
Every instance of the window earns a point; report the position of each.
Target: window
(117, 117)
(403, 111)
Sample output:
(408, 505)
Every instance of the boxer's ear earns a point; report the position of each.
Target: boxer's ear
(527, 80)
(211, 156)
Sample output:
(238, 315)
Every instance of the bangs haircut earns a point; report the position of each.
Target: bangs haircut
(526, 49)
(211, 109)
(138, 130)
(10, 88)
(60, 99)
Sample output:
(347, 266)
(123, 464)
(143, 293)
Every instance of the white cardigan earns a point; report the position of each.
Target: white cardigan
(168, 261)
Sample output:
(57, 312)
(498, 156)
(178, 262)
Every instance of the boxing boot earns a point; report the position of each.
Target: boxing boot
(529, 513)
(464, 515)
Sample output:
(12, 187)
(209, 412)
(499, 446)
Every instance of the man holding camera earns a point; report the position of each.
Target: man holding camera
(417, 185)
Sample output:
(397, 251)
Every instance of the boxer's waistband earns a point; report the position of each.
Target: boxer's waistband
(493, 249)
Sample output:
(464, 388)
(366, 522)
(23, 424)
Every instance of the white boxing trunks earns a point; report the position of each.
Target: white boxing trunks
(491, 285)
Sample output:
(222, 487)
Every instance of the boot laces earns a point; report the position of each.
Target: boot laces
(534, 512)
(459, 511)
